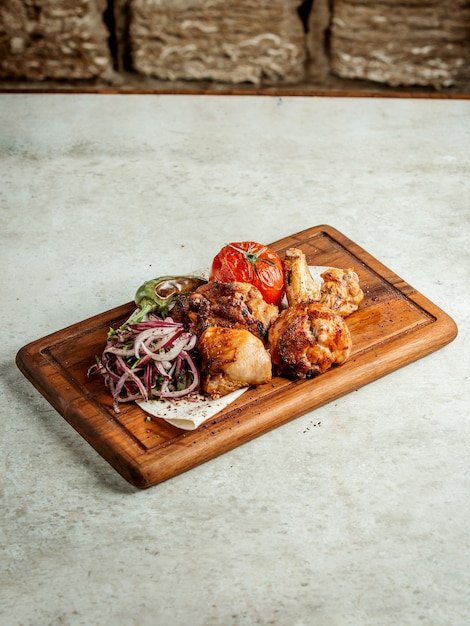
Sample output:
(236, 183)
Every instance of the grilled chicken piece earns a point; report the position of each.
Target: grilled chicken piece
(300, 286)
(340, 291)
(307, 339)
(232, 358)
(233, 305)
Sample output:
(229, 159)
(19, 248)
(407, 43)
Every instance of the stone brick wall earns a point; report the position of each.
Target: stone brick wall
(417, 42)
(228, 42)
(262, 42)
(41, 39)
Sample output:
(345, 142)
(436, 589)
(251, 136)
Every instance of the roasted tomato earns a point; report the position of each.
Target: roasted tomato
(253, 263)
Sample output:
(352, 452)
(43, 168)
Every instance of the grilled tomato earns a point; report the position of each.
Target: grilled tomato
(254, 263)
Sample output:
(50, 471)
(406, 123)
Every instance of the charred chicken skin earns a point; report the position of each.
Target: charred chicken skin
(232, 358)
(311, 335)
(231, 321)
(233, 305)
(307, 339)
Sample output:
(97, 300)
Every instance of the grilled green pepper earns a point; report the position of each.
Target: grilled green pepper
(158, 295)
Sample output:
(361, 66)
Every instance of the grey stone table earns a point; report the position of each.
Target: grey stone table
(354, 514)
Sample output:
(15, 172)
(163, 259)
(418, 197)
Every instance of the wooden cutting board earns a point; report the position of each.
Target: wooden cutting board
(394, 326)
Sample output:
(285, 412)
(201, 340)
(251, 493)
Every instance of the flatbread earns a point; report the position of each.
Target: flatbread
(188, 414)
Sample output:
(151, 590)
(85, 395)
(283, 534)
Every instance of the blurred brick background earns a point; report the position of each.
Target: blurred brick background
(236, 44)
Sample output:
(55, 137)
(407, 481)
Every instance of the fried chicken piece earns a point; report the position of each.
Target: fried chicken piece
(300, 286)
(307, 339)
(340, 291)
(232, 358)
(233, 305)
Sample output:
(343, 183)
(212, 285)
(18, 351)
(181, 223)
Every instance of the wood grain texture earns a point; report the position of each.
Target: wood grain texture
(302, 91)
(394, 326)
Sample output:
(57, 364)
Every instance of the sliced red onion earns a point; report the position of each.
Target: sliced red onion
(147, 360)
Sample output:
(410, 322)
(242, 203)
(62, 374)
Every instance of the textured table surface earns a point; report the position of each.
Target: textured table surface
(356, 513)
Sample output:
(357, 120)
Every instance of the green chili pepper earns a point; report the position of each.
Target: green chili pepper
(158, 295)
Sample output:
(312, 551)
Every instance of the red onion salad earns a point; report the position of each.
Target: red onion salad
(148, 360)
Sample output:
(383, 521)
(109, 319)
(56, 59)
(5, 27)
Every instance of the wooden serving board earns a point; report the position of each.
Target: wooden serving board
(394, 326)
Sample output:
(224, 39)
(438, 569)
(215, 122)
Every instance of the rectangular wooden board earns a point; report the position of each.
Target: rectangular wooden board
(394, 326)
